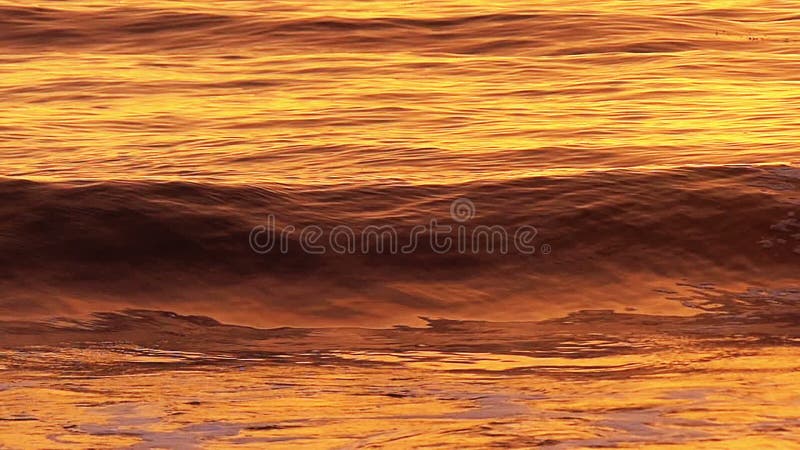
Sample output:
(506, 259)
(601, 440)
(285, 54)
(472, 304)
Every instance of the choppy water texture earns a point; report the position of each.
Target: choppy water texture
(652, 144)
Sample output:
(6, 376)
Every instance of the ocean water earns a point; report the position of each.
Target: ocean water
(652, 146)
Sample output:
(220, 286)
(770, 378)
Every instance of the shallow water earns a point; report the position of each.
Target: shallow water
(652, 145)
(144, 379)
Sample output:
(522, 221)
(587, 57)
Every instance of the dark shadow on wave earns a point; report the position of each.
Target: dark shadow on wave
(124, 29)
(175, 243)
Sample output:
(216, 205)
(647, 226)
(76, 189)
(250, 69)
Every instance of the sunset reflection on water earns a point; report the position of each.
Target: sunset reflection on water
(653, 146)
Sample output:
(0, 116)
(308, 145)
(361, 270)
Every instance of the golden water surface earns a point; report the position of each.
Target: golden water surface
(653, 144)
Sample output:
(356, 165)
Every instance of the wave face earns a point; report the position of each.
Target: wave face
(648, 144)
(77, 246)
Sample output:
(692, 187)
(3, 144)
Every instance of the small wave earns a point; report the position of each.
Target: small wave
(178, 242)
(545, 33)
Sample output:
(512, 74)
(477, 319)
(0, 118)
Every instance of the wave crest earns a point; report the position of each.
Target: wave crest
(166, 241)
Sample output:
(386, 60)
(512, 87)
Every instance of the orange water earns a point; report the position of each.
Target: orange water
(653, 145)
(363, 92)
